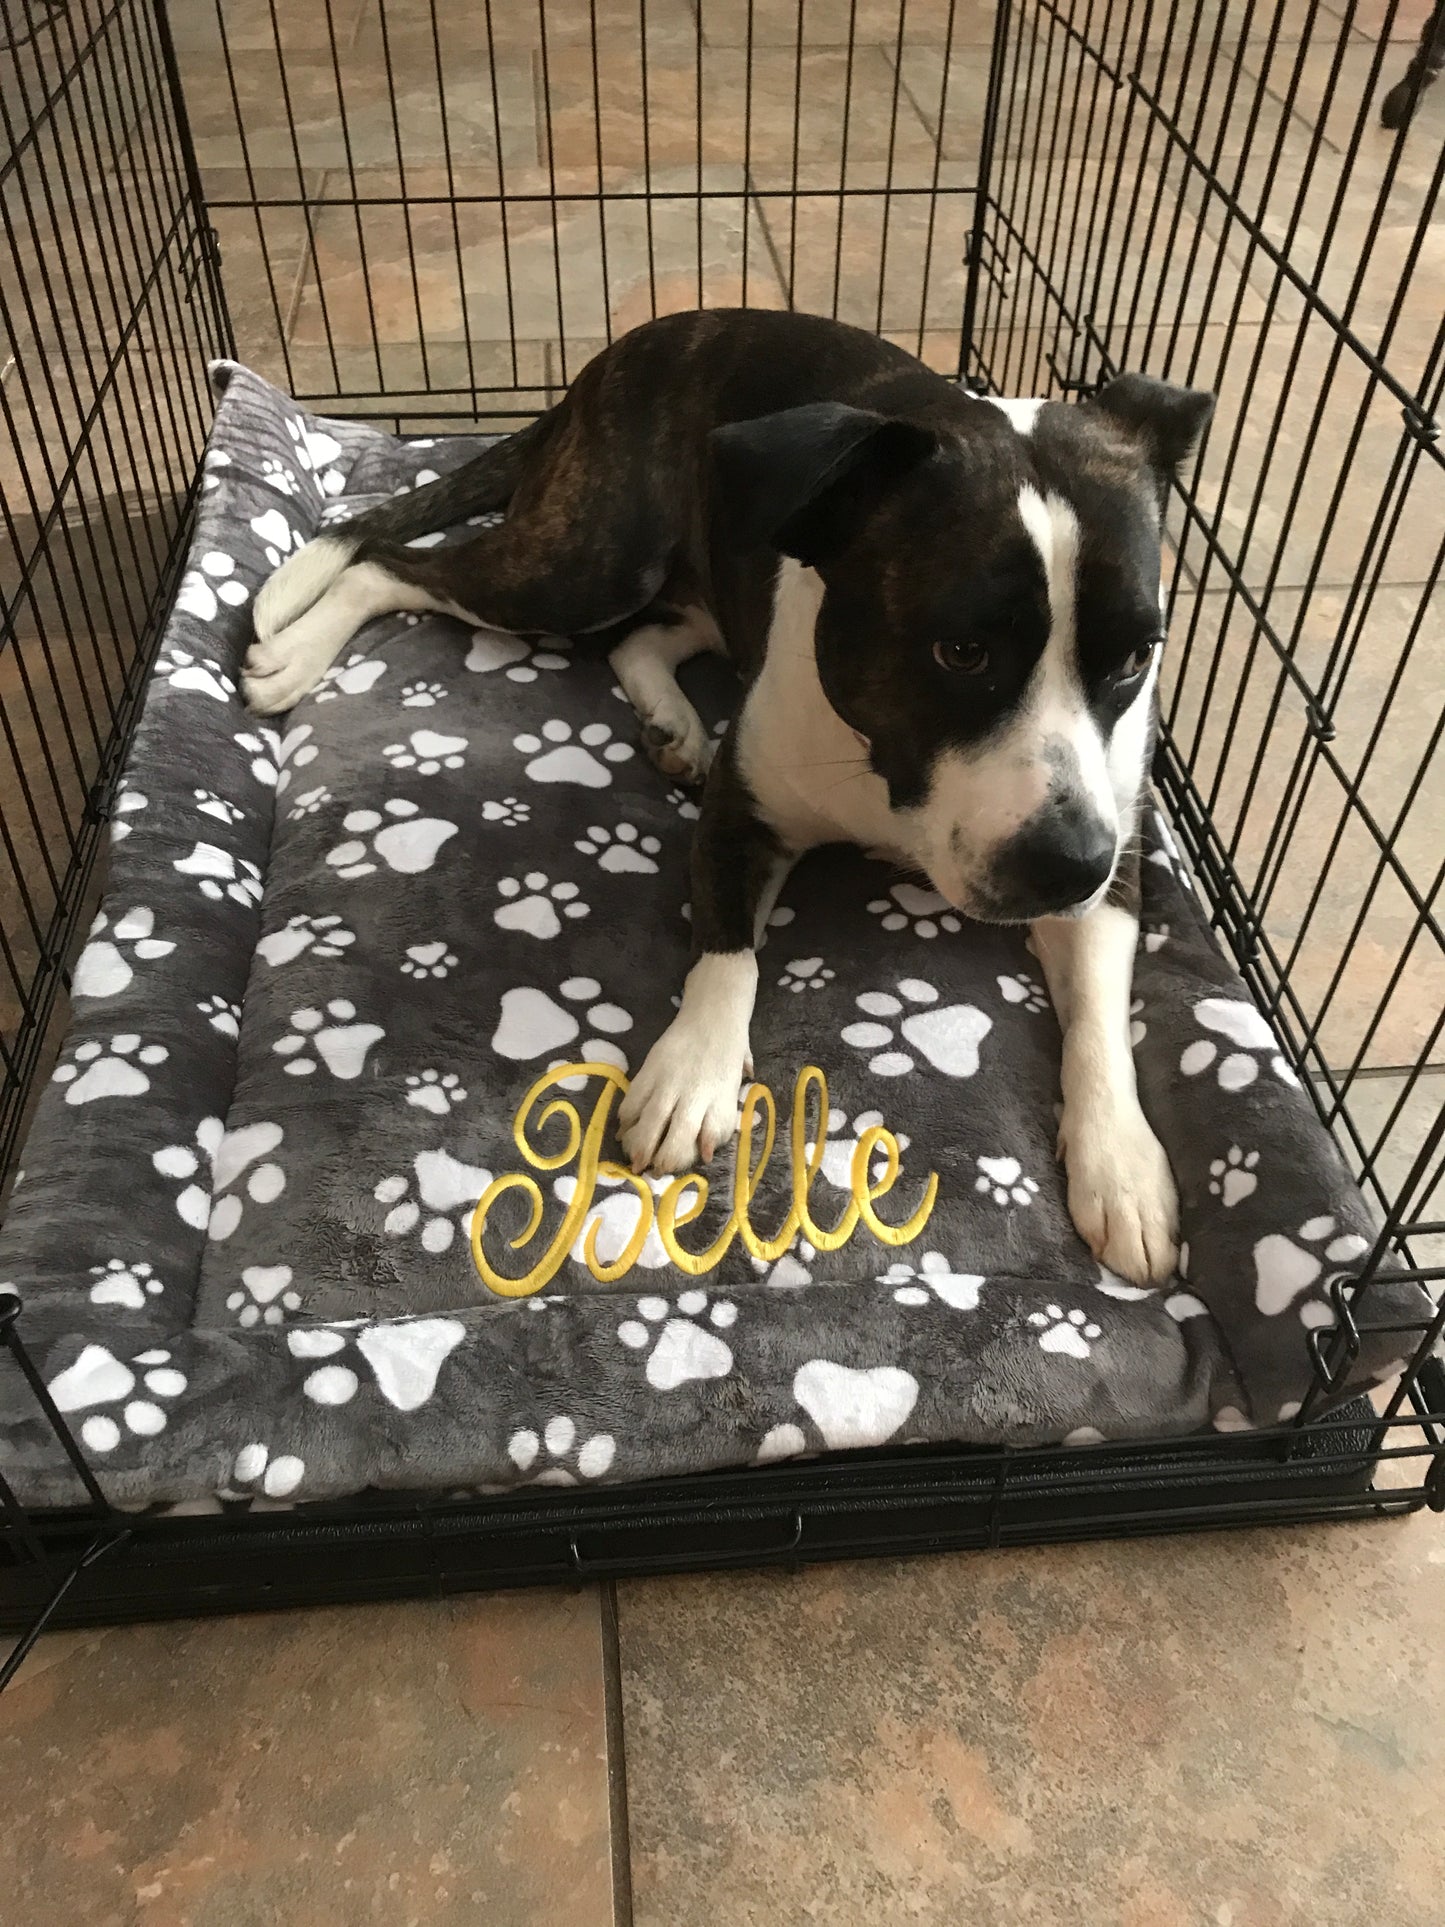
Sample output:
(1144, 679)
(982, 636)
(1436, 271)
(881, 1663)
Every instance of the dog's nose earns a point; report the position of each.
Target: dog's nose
(1063, 857)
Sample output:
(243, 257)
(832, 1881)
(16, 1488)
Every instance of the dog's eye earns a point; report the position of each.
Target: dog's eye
(1131, 670)
(963, 658)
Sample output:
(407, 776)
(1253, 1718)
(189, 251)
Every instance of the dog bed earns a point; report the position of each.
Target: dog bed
(334, 958)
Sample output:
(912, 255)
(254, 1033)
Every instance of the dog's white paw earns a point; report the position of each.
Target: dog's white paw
(682, 1106)
(676, 741)
(277, 674)
(1122, 1195)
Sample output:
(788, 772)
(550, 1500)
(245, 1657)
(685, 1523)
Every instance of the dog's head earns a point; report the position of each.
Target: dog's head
(990, 622)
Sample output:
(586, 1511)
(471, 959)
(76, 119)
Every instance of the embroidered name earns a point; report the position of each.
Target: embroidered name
(685, 1199)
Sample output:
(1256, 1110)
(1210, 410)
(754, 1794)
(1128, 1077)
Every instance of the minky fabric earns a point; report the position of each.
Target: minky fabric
(333, 959)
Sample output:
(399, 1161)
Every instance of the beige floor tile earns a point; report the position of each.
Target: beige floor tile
(1359, 964)
(535, 272)
(825, 23)
(1163, 1733)
(291, 109)
(1406, 18)
(203, 30)
(1359, 220)
(439, 1762)
(816, 113)
(1381, 1122)
(513, 25)
(891, 263)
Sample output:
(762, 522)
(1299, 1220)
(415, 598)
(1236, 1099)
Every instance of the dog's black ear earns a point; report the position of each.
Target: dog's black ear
(797, 479)
(1166, 419)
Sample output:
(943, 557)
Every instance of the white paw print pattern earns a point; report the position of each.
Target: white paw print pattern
(265, 1296)
(519, 661)
(1287, 1266)
(209, 804)
(1021, 989)
(278, 476)
(119, 1283)
(219, 874)
(205, 590)
(350, 678)
(106, 965)
(1066, 1332)
(322, 936)
(308, 802)
(842, 1141)
(436, 1091)
(128, 803)
(805, 973)
(536, 906)
(933, 1277)
(428, 960)
(789, 1272)
(397, 834)
(507, 810)
(1138, 1029)
(1232, 1178)
(533, 1023)
(559, 756)
(615, 1215)
(910, 907)
(142, 1389)
(315, 451)
(278, 538)
(215, 461)
(115, 1069)
(405, 1357)
(222, 1015)
(276, 758)
(238, 1176)
(427, 752)
(184, 1162)
(565, 1456)
(946, 1036)
(178, 669)
(684, 1346)
(620, 851)
(234, 1165)
(1003, 1180)
(427, 1201)
(685, 805)
(1156, 936)
(423, 695)
(1240, 1024)
(276, 1477)
(331, 1035)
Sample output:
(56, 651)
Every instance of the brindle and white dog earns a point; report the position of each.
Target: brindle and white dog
(946, 616)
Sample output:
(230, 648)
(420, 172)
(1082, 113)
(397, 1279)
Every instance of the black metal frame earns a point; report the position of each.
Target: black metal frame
(1104, 209)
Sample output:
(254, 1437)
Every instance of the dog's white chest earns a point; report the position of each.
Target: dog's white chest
(806, 769)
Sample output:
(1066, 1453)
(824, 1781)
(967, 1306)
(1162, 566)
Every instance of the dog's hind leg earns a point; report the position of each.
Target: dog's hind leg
(280, 670)
(646, 665)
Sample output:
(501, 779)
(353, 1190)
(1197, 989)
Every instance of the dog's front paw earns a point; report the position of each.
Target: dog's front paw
(683, 1104)
(1122, 1195)
(676, 741)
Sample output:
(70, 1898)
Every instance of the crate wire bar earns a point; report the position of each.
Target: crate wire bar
(429, 213)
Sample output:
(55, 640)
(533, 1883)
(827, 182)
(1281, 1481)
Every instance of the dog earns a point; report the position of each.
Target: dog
(946, 615)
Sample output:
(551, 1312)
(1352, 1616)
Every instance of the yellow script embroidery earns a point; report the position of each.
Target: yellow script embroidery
(685, 1198)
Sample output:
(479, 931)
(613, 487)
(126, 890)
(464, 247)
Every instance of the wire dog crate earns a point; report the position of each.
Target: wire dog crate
(426, 212)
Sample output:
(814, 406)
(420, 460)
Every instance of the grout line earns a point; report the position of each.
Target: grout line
(621, 1839)
(751, 199)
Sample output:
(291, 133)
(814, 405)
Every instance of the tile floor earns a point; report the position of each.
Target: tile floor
(1225, 1731)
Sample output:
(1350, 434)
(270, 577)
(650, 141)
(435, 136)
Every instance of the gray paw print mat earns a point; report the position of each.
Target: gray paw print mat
(335, 959)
